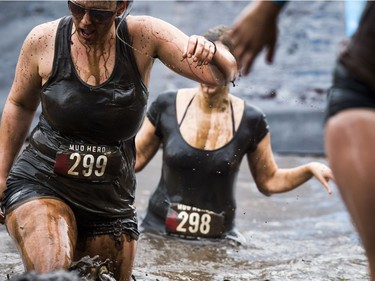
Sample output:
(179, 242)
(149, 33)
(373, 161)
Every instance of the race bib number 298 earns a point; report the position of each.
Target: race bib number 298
(88, 162)
(193, 222)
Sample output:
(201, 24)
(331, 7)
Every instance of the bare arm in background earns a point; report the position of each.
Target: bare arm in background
(255, 29)
(271, 179)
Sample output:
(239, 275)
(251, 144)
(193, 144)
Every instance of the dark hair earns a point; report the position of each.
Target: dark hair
(220, 33)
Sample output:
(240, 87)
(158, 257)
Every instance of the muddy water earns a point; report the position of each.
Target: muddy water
(305, 234)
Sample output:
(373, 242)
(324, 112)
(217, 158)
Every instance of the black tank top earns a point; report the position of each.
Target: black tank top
(108, 113)
(74, 112)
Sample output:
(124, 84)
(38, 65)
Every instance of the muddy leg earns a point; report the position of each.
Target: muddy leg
(121, 254)
(350, 139)
(44, 231)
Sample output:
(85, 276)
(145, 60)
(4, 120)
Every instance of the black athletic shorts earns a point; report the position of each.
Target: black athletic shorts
(20, 191)
(347, 93)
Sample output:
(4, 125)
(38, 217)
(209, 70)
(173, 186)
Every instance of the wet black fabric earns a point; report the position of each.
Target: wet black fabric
(347, 92)
(201, 178)
(74, 112)
(358, 58)
(354, 73)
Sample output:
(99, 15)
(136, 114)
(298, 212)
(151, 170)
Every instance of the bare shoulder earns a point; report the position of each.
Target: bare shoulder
(185, 95)
(237, 102)
(38, 48)
(142, 21)
(183, 98)
(238, 109)
(42, 36)
(149, 28)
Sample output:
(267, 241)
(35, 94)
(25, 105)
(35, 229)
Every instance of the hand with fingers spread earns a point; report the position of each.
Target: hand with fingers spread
(322, 173)
(253, 30)
(200, 50)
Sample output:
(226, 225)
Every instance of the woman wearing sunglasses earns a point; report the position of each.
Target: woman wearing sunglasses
(70, 193)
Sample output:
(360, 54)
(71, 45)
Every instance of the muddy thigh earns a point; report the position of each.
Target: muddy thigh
(45, 234)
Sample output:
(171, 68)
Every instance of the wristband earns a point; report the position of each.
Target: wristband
(214, 46)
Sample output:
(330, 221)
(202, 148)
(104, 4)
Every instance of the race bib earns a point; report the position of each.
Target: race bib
(194, 222)
(98, 163)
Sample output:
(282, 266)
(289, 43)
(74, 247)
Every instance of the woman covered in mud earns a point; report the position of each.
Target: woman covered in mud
(205, 132)
(70, 193)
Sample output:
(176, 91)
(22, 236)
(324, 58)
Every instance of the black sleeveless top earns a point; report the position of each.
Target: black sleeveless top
(108, 113)
(75, 113)
(201, 178)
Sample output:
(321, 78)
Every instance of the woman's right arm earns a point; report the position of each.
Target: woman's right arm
(20, 106)
(146, 144)
(193, 57)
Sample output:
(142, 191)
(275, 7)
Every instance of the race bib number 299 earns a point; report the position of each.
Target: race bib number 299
(88, 162)
(193, 222)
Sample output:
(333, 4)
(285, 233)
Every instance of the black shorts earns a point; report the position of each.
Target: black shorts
(20, 191)
(347, 93)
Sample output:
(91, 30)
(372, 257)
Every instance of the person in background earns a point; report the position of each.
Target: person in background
(350, 114)
(205, 132)
(70, 193)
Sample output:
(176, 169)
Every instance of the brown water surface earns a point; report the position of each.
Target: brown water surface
(304, 234)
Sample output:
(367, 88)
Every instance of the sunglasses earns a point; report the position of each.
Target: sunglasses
(96, 15)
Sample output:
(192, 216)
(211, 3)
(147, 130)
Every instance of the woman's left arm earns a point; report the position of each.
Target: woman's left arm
(270, 179)
(193, 57)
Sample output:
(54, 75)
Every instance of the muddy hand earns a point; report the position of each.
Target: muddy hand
(323, 174)
(199, 49)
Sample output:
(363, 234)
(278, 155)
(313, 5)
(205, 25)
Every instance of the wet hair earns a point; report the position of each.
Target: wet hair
(220, 33)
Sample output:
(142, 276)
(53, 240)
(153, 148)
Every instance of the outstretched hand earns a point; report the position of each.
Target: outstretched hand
(322, 173)
(200, 50)
(253, 30)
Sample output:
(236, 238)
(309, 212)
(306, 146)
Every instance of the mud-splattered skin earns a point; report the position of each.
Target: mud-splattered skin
(208, 121)
(45, 229)
(93, 46)
(36, 234)
(93, 63)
